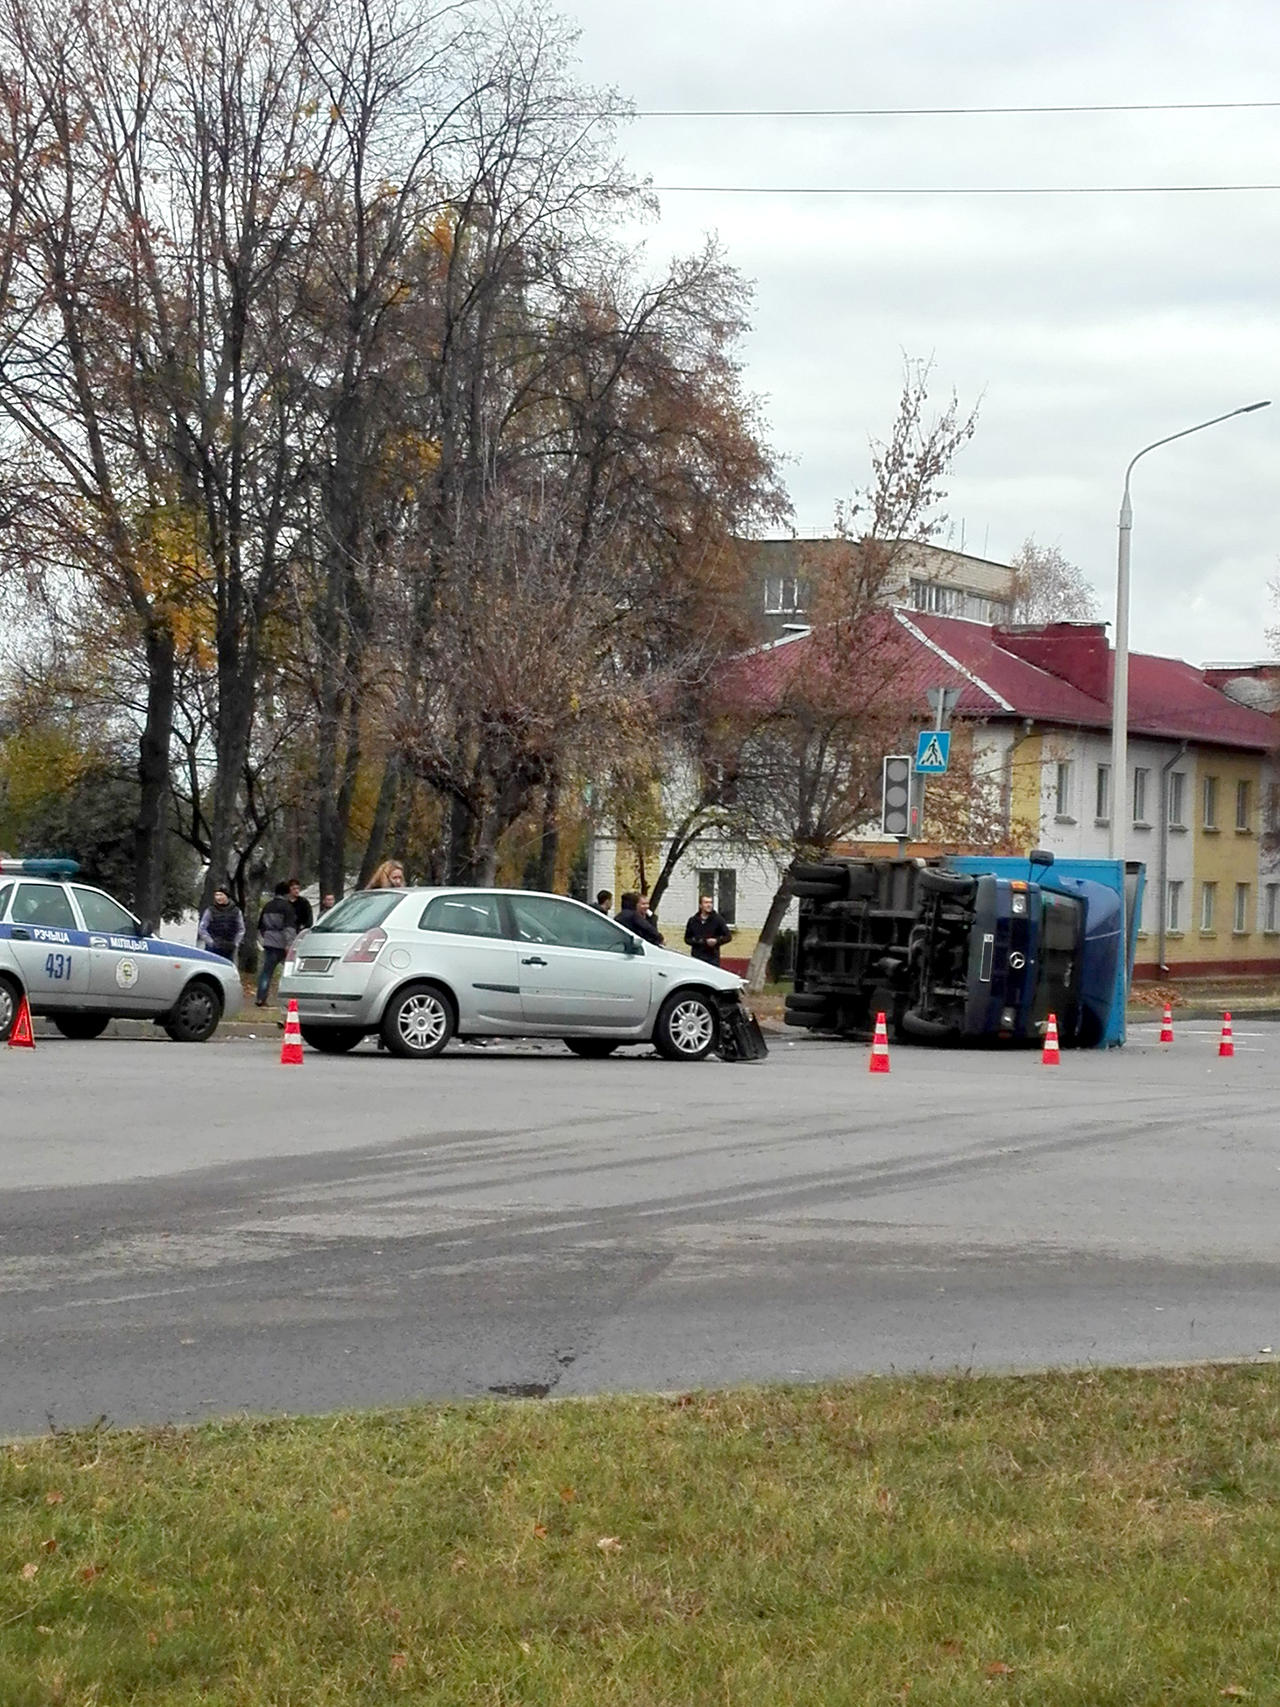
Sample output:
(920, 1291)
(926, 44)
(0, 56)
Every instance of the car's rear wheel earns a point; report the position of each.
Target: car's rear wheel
(82, 1028)
(688, 1027)
(590, 1048)
(10, 997)
(418, 1022)
(194, 1017)
(332, 1039)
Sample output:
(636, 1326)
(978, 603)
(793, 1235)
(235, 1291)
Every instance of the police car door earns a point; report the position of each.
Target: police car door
(47, 944)
(125, 974)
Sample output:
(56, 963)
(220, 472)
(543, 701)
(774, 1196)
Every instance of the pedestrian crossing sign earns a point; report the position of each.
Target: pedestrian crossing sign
(933, 750)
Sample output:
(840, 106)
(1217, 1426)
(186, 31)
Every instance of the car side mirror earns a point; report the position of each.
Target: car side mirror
(634, 945)
(143, 927)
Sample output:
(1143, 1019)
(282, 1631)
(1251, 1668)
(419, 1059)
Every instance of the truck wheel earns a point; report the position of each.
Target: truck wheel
(803, 1002)
(810, 889)
(946, 883)
(928, 1030)
(82, 1028)
(10, 997)
(194, 1017)
(818, 871)
(688, 1027)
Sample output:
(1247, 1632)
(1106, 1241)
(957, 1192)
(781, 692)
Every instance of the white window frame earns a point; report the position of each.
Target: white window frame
(1177, 800)
(1240, 910)
(1208, 904)
(1209, 803)
(1102, 794)
(1173, 905)
(1271, 907)
(1242, 804)
(1063, 781)
(1141, 776)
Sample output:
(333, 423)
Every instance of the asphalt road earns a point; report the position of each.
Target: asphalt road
(187, 1232)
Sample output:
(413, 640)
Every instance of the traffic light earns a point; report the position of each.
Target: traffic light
(895, 798)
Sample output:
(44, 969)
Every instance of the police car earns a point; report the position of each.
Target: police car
(82, 960)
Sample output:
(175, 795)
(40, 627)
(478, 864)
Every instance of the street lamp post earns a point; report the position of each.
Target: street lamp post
(1120, 668)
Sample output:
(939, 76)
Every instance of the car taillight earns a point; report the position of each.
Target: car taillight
(291, 953)
(368, 947)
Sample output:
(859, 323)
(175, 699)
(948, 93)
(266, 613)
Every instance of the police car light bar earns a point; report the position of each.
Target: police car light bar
(38, 867)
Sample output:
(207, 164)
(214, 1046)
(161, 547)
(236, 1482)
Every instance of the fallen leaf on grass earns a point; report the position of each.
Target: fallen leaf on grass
(568, 1495)
(53, 1497)
(398, 1662)
(609, 1544)
(50, 1546)
(998, 1668)
(1236, 1691)
(950, 1646)
(540, 1530)
(28, 1571)
(90, 1572)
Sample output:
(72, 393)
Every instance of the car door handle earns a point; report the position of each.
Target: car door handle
(20, 935)
(533, 960)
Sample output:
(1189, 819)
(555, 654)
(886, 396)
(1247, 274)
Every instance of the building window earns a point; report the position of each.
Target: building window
(1271, 914)
(1062, 790)
(1140, 776)
(1208, 901)
(943, 601)
(785, 595)
(1209, 814)
(1173, 906)
(1242, 806)
(1177, 800)
(1102, 794)
(1240, 918)
(722, 886)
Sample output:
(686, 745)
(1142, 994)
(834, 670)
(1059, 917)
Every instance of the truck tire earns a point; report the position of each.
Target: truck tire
(810, 889)
(806, 1002)
(928, 1030)
(953, 883)
(818, 871)
(815, 1019)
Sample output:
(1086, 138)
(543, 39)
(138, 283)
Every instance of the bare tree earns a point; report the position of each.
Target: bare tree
(1048, 588)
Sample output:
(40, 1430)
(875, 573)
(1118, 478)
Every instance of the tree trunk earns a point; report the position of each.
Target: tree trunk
(758, 970)
(549, 847)
(152, 833)
(388, 790)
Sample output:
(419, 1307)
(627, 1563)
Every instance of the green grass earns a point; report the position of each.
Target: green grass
(1085, 1538)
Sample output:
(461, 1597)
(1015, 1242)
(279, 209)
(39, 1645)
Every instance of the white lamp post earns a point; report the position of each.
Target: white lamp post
(1120, 669)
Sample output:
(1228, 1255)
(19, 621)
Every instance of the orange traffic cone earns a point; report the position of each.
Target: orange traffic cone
(22, 1036)
(880, 1047)
(291, 1048)
(1226, 1046)
(1166, 1024)
(1050, 1056)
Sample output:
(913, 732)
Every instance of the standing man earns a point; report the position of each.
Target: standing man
(277, 929)
(604, 900)
(221, 927)
(303, 918)
(706, 933)
(636, 915)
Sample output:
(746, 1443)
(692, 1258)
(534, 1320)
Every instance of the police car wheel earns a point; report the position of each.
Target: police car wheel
(82, 1028)
(10, 996)
(418, 1022)
(688, 1028)
(194, 1016)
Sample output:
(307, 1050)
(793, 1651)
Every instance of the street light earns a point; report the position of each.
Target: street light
(1120, 667)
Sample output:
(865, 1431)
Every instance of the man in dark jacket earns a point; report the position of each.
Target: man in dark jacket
(277, 929)
(636, 916)
(706, 932)
(303, 919)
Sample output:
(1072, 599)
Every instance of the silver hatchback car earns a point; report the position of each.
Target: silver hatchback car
(82, 959)
(420, 966)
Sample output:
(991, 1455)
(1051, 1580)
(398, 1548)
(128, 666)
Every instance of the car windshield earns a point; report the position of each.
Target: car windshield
(359, 912)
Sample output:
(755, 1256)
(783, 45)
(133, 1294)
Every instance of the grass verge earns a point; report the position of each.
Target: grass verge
(1092, 1538)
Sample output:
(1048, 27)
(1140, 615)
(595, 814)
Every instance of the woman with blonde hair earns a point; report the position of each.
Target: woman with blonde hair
(389, 875)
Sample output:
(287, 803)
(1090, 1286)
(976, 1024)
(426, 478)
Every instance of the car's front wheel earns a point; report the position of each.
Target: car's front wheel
(418, 1022)
(82, 1028)
(194, 1017)
(590, 1048)
(688, 1027)
(332, 1039)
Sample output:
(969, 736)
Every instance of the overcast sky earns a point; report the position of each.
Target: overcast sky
(1088, 325)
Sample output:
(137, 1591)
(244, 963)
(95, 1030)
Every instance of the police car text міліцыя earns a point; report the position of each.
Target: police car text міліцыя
(82, 960)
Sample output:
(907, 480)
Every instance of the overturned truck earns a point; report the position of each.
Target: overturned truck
(965, 950)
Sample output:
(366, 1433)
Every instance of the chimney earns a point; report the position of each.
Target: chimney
(1075, 652)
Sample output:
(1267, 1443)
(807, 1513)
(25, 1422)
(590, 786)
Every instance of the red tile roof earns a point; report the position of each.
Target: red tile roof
(1068, 686)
